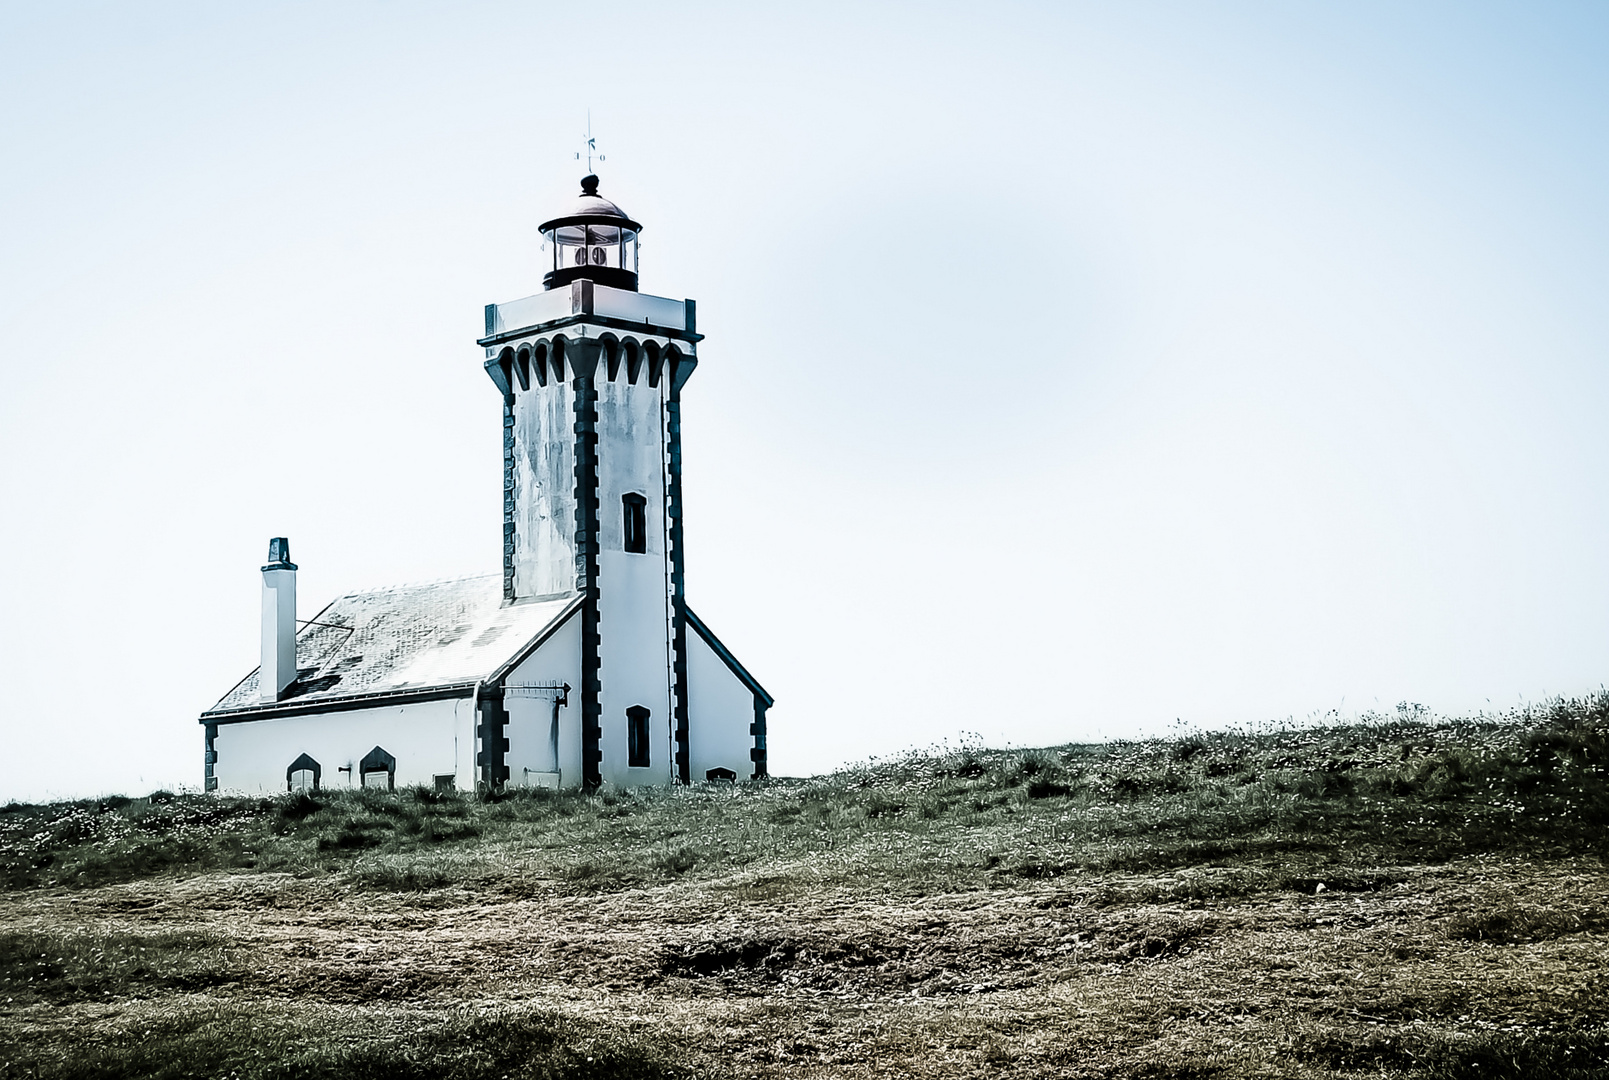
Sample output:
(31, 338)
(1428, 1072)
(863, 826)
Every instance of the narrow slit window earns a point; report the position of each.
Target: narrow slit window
(637, 755)
(634, 512)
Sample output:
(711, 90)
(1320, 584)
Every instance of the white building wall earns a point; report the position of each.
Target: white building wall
(720, 708)
(428, 739)
(544, 489)
(530, 715)
(634, 589)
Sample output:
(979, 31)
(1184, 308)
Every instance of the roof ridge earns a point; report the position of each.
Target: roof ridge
(418, 584)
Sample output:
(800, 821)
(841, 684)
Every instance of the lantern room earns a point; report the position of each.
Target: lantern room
(595, 240)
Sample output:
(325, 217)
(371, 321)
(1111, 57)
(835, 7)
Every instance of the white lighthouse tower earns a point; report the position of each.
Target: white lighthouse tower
(580, 664)
(591, 371)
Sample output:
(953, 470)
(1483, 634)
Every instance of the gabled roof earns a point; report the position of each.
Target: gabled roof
(728, 659)
(412, 640)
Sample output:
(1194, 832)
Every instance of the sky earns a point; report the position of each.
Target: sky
(1072, 371)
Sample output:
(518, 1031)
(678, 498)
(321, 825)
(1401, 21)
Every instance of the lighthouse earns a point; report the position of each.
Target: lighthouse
(580, 663)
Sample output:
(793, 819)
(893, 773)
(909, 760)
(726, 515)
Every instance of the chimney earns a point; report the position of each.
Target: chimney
(279, 621)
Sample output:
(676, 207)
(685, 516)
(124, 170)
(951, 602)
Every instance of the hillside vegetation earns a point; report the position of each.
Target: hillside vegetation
(1404, 897)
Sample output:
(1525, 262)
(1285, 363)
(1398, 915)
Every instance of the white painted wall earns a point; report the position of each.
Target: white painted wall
(427, 738)
(634, 611)
(544, 489)
(530, 717)
(720, 709)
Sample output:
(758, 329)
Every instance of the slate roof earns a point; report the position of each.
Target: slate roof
(408, 638)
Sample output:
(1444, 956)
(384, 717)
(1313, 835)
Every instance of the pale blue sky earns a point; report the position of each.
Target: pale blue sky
(1071, 369)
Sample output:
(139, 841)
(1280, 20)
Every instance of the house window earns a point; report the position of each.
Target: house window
(634, 511)
(378, 769)
(302, 775)
(637, 737)
(446, 782)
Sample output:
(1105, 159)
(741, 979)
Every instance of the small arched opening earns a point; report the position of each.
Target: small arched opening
(651, 358)
(522, 367)
(539, 360)
(633, 360)
(556, 359)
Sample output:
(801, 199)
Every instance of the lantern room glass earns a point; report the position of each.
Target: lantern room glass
(595, 245)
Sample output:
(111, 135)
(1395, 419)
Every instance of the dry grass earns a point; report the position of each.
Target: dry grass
(1398, 898)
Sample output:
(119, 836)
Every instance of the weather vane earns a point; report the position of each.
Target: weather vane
(591, 145)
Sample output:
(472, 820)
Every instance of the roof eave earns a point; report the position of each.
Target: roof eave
(303, 706)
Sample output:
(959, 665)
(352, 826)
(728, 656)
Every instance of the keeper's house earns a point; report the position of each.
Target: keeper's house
(581, 663)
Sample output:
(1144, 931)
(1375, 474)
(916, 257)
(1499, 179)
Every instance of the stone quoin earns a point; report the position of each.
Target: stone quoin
(580, 664)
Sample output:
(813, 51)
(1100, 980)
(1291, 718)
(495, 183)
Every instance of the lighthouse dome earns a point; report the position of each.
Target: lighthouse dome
(590, 204)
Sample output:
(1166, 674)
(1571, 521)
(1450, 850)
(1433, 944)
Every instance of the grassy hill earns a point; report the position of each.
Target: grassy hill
(1404, 897)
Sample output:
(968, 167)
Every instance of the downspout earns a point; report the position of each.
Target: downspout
(474, 727)
(553, 733)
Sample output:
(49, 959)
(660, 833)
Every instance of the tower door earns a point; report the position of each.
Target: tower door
(639, 737)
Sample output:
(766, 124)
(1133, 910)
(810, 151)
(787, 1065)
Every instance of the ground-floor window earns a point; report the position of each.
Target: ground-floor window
(378, 770)
(446, 782)
(637, 741)
(302, 774)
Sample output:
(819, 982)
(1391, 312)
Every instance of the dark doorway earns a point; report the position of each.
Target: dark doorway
(637, 740)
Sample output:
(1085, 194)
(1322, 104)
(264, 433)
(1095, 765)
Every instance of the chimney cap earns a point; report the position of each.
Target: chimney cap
(279, 554)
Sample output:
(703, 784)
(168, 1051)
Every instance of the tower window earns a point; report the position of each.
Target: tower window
(637, 737)
(634, 512)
